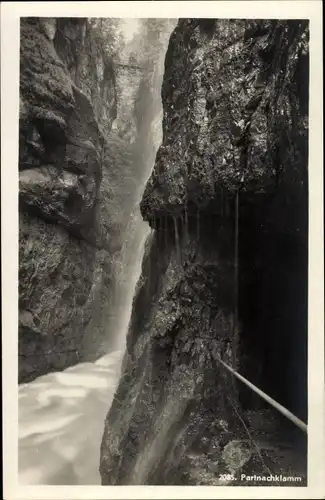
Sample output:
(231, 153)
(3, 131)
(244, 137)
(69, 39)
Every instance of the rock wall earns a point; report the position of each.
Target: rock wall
(91, 66)
(225, 270)
(77, 191)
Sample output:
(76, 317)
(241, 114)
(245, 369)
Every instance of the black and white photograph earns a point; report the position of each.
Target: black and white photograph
(163, 263)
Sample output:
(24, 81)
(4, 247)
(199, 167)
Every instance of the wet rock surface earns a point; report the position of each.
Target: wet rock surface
(63, 245)
(235, 112)
(235, 118)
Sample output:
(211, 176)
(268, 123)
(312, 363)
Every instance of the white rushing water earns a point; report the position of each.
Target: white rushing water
(61, 422)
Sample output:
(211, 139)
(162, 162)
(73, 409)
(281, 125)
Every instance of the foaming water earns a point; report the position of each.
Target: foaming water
(61, 421)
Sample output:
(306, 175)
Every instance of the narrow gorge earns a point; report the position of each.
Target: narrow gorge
(163, 197)
(89, 128)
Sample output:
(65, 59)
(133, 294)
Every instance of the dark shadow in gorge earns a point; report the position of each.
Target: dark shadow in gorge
(273, 280)
(273, 311)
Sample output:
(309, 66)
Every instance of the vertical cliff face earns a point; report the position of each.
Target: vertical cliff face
(78, 188)
(63, 239)
(90, 63)
(228, 191)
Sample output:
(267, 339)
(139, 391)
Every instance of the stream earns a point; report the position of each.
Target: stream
(61, 422)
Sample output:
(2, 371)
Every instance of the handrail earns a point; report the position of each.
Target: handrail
(299, 423)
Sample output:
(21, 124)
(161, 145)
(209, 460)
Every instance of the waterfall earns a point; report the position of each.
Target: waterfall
(61, 414)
